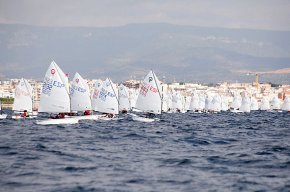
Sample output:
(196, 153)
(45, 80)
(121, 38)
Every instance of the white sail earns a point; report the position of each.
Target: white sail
(194, 102)
(208, 100)
(187, 103)
(124, 102)
(149, 98)
(224, 103)
(23, 96)
(237, 101)
(80, 94)
(275, 103)
(95, 95)
(133, 97)
(55, 95)
(201, 103)
(286, 104)
(265, 104)
(246, 104)
(107, 100)
(177, 104)
(165, 106)
(216, 103)
(254, 104)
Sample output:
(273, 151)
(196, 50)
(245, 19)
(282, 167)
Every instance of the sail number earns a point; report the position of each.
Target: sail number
(104, 93)
(147, 87)
(48, 84)
(77, 88)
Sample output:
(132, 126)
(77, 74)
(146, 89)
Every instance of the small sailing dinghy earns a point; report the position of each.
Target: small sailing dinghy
(149, 98)
(80, 98)
(2, 115)
(106, 101)
(23, 101)
(286, 104)
(54, 97)
(124, 102)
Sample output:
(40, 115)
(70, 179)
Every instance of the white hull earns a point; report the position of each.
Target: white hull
(108, 119)
(236, 111)
(88, 117)
(16, 117)
(143, 119)
(58, 121)
(3, 116)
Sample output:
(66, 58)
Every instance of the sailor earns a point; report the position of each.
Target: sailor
(87, 112)
(25, 114)
(109, 115)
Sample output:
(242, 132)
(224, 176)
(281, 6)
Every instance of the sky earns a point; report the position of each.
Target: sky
(250, 14)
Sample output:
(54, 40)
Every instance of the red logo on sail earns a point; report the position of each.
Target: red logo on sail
(77, 80)
(52, 71)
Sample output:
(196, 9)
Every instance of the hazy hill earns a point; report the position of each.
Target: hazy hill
(183, 53)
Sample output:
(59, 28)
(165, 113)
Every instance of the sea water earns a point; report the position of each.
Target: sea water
(182, 152)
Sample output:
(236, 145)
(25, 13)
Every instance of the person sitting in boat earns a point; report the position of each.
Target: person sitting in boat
(87, 112)
(70, 114)
(124, 111)
(109, 115)
(58, 116)
(150, 115)
(25, 114)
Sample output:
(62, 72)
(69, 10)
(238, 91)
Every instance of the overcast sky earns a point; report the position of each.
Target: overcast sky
(252, 14)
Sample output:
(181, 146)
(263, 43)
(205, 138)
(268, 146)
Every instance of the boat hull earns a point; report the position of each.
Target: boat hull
(88, 117)
(58, 121)
(143, 119)
(16, 117)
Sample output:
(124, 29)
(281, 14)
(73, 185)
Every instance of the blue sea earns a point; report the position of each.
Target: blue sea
(182, 152)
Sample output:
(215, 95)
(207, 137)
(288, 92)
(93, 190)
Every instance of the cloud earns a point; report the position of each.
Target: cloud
(257, 14)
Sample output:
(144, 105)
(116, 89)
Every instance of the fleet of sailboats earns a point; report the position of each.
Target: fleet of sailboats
(66, 102)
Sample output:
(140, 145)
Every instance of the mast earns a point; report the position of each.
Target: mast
(161, 96)
(115, 93)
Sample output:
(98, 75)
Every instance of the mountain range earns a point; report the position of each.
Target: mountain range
(174, 52)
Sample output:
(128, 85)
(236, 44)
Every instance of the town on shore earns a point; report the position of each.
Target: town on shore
(255, 89)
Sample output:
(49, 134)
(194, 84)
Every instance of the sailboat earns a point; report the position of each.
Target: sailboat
(149, 98)
(265, 104)
(254, 104)
(177, 102)
(55, 97)
(80, 98)
(2, 115)
(23, 100)
(201, 103)
(275, 103)
(106, 100)
(194, 102)
(216, 103)
(236, 104)
(124, 102)
(286, 104)
(224, 103)
(246, 104)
